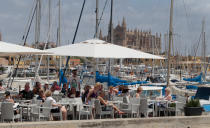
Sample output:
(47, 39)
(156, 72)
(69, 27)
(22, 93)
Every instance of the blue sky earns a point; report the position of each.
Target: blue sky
(142, 14)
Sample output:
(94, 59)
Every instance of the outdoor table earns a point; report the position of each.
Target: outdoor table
(28, 107)
(22, 101)
(156, 104)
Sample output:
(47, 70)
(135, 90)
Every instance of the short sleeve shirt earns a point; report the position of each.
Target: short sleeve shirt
(74, 82)
(27, 95)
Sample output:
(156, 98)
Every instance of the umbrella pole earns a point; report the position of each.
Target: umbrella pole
(67, 61)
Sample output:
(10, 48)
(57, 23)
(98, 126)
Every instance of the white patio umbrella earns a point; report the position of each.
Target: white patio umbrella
(100, 49)
(9, 49)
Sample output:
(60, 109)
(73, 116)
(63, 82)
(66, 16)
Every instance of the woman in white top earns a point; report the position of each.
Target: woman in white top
(57, 107)
(139, 91)
(168, 94)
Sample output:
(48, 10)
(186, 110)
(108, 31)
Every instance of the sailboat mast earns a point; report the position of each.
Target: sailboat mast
(111, 40)
(49, 23)
(59, 31)
(170, 41)
(204, 50)
(96, 31)
(37, 31)
(97, 3)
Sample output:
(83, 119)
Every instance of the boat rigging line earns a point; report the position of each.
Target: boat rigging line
(102, 13)
(25, 37)
(75, 34)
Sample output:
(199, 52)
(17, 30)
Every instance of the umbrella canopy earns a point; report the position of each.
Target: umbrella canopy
(8, 49)
(100, 49)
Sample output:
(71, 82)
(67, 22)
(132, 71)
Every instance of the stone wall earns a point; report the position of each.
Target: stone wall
(163, 122)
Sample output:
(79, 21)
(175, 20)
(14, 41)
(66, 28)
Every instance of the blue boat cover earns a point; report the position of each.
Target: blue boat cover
(195, 79)
(62, 79)
(203, 93)
(206, 107)
(114, 81)
(192, 87)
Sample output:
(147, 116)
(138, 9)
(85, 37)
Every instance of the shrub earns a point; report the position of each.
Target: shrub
(193, 103)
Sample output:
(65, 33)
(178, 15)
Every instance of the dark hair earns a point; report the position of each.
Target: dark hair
(125, 89)
(7, 93)
(0, 83)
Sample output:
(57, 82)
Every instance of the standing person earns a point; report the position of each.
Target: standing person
(74, 81)
(72, 93)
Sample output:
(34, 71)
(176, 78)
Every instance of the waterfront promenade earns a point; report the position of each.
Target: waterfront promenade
(156, 122)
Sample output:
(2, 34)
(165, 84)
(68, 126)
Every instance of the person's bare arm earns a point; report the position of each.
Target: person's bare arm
(88, 96)
(115, 90)
(102, 100)
(57, 105)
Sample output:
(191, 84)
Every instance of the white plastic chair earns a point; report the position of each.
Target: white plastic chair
(100, 112)
(143, 109)
(41, 112)
(7, 112)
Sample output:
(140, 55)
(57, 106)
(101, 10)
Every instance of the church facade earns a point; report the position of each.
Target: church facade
(136, 39)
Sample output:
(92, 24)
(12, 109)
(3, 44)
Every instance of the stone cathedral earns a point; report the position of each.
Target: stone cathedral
(136, 39)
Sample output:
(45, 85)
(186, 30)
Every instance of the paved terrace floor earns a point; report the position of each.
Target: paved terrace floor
(156, 122)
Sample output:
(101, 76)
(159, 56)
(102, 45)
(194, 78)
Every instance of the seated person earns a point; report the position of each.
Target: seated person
(8, 98)
(139, 91)
(41, 95)
(46, 86)
(85, 93)
(64, 90)
(26, 93)
(120, 88)
(113, 91)
(93, 93)
(125, 91)
(56, 107)
(1, 87)
(55, 87)
(72, 93)
(104, 102)
(37, 87)
(167, 95)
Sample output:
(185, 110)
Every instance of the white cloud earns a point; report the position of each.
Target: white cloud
(145, 14)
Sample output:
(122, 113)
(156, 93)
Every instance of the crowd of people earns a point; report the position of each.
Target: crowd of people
(44, 93)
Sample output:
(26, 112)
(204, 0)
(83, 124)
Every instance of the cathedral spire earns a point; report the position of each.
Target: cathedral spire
(124, 23)
(100, 35)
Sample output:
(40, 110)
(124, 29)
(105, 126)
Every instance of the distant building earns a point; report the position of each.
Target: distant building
(41, 45)
(136, 39)
(74, 62)
(4, 61)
